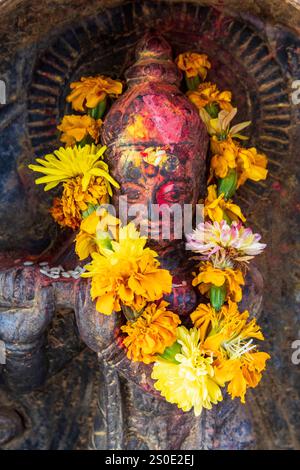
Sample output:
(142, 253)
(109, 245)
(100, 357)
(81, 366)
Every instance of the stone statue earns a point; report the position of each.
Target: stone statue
(153, 112)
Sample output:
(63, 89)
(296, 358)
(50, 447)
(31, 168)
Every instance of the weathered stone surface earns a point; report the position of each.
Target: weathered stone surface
(11, 425)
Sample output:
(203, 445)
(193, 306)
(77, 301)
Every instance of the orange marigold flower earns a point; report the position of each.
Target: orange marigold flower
(76, 128)
(90, 91)
(217, 209)
(67, 211)
(210, 275)
(207, 93)
(64, 220)
(193, 64)
(151, 333)
(241, 372)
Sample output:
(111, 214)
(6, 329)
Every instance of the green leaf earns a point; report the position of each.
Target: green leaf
(170, 353)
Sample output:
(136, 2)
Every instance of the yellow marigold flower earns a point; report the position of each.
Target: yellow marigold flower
(224, 156)
(227, 154)
(228, 335)
(202, 318)
(151, 333)
(67, 163)
(243, 373)
(68, 140)
(226, 330)
(95, 230)
(76, 128)
(251, 165)
(190, 383)
(217, 209)
(90, 91)
(127, 274)
(210, 275)
(67, 210)
(207, 93)
(193, 64)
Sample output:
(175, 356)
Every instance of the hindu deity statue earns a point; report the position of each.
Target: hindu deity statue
(157, 147)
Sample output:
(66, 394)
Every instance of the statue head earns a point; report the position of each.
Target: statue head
(156, 141)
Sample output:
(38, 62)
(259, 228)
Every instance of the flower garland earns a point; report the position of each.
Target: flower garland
(190, 365)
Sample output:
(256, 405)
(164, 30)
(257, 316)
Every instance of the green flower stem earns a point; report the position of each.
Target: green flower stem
(170, 353)
(192, 82)
(85, 141)
(217, 296)
(130, 314)
(227, 218)
(228, 184)
(212, 109)
(99, 110)
(90, 209)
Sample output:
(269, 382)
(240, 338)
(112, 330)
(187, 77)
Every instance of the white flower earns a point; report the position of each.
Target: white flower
(233, 240)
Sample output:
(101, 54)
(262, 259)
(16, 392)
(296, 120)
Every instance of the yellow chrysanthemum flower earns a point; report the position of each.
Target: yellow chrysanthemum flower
(95, 230)
(67, 163)
(75, 128)
(190, 383)
(128, 274)
(210, 275)
(193, 64)
(251, 165)
(67, 210)
(207, 93)
(90, 91)
(217, 209)
(151, 333)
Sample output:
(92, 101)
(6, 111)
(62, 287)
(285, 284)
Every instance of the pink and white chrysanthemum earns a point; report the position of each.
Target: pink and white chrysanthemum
(236, 240)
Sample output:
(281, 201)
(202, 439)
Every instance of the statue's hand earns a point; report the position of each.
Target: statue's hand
(98, 331)
(27, 308)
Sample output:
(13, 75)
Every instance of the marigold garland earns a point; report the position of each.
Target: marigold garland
(191, 366)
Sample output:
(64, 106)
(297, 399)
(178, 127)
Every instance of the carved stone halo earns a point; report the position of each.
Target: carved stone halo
(241, 61)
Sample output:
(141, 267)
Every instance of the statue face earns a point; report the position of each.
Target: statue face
(157, 185)
(157, 144)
